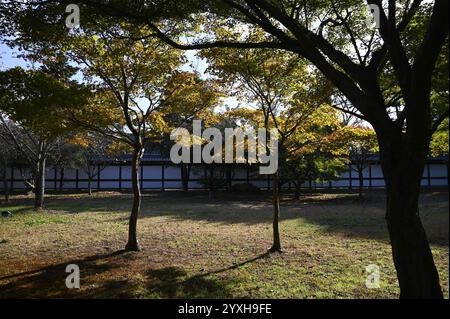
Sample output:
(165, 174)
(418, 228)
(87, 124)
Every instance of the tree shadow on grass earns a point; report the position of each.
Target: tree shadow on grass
(347, 215)
(168, 282)
(336, 212)
(172, 282)
(49, 281)
(340, 212)
(164, 283)
(234, 266)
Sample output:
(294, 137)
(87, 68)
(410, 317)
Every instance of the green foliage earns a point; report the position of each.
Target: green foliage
(313, 152)
(275, 82)
(360, 140)
(38, 101)
(439, 142)
(287, 95)
(140, 93)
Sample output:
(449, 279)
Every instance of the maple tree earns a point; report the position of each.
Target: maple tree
(282, 88)
(33, 101)
(138, 90)
(362, 145)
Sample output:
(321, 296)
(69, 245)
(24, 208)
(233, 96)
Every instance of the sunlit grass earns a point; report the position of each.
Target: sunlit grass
(195, 247)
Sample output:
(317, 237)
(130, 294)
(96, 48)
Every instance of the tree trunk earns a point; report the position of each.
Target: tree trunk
(89, 185)
(61, 179)
(39, 184)
(416, 271)
(298, 190)
(5, 187)
(211, 182)
(361, 183)
(228, 178)
(276, 246)
(184, 176)
(133, 244)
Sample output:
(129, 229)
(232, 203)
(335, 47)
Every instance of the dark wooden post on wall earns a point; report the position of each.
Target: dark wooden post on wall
(55, 178)
(61, 179)
(428, 174)
(98, 178)
(162, 178)
(11, 187)
(446, 166)
(77, 179)
(350, 176)
(248, 174)
(120, 176)
(141, 180)
(205, 186)
(229, 182)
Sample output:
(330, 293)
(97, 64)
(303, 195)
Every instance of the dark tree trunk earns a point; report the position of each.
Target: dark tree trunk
(39, 184)
(133, 244)
(276, 246)
(61, 179)
(298, 190)
(228, 178)
(6, 190)
(448, 176)
(416, 271)
(211, 182)
(185, 176)
(5, 187)
(361, 182)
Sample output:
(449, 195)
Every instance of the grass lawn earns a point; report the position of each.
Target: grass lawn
(196, 247)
